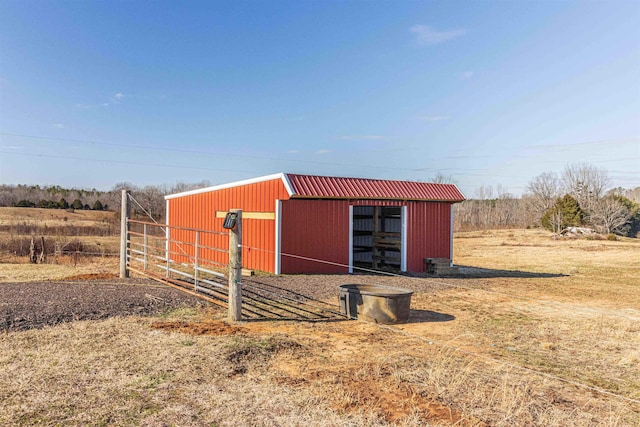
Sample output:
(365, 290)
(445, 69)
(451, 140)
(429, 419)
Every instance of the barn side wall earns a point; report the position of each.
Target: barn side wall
(319, 229)
(429, 228)
(198, 211)
(316, 229)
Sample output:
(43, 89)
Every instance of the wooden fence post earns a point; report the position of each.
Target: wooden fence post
(124, 234)
(235, 268)
(43, 256)
(32, 252)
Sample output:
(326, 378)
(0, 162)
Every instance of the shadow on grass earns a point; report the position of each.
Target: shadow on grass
(263, 301)
(486, 273)
(424, 316)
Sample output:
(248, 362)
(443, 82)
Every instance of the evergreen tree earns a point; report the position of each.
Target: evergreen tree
(25, 204)
(47, 204)
(566, 212)
(63, 204)
(77, 204)
(97, 206)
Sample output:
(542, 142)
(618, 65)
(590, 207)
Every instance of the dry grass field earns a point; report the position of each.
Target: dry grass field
(535, 331)
(53, 217)
(64, 231)
(73, 233)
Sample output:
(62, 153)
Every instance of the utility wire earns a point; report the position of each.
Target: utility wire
(468, 352)
(472, 353)
(512, 365)
(249, 156)
(214, 153)
(192, 167)
(439, 283)
(124, 162)
(190, 151)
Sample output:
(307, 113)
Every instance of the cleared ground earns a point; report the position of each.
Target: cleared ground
(40, 304)
(535, 331)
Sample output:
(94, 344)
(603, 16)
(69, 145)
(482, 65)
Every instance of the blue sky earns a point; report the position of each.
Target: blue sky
(94, 93)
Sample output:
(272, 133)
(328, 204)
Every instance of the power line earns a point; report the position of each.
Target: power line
(247, 156)
(124, 162)
(456, 171)
(191, 151)
(192, 167)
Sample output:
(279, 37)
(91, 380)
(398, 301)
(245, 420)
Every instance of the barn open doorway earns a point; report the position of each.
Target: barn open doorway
(377, 237)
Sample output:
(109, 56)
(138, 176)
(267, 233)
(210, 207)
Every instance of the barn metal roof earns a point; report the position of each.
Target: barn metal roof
(331, 187)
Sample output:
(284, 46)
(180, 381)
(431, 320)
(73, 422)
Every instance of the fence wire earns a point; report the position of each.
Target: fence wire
(265, 300)
(481, 356)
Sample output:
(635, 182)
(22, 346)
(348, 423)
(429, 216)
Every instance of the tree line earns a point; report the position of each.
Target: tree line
(580, 196)
(148, 200)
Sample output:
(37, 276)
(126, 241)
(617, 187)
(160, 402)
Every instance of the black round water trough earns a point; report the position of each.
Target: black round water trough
(375, 303)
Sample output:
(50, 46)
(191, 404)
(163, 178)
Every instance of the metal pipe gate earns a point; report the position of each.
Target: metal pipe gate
(198, 262)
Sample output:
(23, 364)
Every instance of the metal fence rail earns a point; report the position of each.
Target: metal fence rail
(197, 262)
(153, 250)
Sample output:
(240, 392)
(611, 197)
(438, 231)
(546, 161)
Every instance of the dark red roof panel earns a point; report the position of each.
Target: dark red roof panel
(329, 187)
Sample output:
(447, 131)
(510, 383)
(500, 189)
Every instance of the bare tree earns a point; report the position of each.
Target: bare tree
(440, 178)
(484, 192)
(632, 194)
(610, 215)
(586, 183)
(180, 186)
(505, 208)
(7, 196)
(556, 220)
(543, 191)
(150, 201)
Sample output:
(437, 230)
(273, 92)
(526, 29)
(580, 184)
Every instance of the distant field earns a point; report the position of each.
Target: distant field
(67, 232)
(54, 217)
(535, 331)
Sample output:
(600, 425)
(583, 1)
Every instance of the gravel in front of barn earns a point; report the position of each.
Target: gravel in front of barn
(325, 286)
(31, 305)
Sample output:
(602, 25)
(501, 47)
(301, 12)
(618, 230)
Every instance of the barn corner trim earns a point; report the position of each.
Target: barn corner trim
(281, 176)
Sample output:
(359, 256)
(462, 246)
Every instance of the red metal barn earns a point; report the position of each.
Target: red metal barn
(319, 224)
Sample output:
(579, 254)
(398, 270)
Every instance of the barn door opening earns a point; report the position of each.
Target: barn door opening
(377, 237)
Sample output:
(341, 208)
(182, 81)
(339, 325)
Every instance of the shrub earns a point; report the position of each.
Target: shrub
(25, 204)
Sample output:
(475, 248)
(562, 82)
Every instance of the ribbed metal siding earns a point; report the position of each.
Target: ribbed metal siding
(315, 229)
(319, 229)
(428, 229)
(199, 211)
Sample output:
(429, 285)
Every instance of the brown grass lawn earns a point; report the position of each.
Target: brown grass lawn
(537, 332)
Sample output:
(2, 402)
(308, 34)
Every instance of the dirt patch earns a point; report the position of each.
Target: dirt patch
(397, 403)
(361, 371)
(37, 304)
(205, 327)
